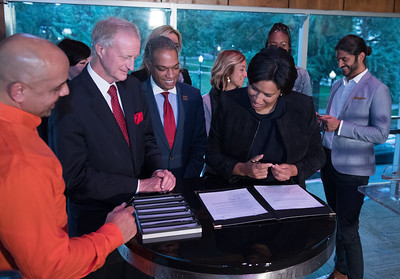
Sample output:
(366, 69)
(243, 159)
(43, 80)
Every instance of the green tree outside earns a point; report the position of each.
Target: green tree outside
(206, 32)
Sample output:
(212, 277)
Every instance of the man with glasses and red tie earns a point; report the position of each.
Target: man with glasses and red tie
(176, 110)
(103, 137)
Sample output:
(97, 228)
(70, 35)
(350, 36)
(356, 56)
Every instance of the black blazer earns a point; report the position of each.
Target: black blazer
(185, 160)
(233, 129)
(99, 168)
(143, 75)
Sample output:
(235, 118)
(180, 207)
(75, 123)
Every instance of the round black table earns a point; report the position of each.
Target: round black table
(272, 249)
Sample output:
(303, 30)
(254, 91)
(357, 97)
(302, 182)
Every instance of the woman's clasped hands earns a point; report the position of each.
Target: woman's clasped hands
(255, 169)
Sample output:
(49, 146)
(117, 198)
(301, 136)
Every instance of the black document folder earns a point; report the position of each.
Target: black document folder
(165, 217)
(228, 207)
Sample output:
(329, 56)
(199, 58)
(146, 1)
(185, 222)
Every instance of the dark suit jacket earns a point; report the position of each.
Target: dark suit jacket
(99, 168)
(185, 160)
(234, 128)
(143, 75)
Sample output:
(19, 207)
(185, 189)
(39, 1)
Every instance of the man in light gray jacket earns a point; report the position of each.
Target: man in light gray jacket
(358, 116)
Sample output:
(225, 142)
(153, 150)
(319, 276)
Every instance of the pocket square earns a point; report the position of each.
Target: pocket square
(138, 117)
(359, 98)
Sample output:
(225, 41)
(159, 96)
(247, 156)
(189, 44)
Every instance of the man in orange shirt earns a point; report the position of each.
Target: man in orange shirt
(33, 219)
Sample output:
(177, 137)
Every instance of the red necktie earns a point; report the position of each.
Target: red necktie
(169, 120)
(117, 111)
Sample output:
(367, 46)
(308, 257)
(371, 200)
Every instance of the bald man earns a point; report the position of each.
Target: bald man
(33, 220)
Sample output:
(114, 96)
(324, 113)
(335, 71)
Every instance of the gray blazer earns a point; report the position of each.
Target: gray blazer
(366, 117)
(302, 83)
(207, 111)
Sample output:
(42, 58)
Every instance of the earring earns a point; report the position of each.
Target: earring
(229, 80)
(280, 94)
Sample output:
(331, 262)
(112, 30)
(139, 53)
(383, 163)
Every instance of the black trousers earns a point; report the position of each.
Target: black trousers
(342, 195)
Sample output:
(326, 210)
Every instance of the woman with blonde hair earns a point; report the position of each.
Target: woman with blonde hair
(228, 73)
(165, 31)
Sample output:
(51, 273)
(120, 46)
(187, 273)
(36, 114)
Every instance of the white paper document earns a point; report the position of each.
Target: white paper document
(231, 204)
(287, 197)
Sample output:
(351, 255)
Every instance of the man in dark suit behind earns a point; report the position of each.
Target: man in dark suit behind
(183, 150)
(107, 154)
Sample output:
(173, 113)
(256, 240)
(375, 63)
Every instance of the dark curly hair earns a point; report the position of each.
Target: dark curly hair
(75, 50)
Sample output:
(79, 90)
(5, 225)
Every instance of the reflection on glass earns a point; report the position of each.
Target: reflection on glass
(391, 172)
(326, 31)
(56, 21)
(222, 30)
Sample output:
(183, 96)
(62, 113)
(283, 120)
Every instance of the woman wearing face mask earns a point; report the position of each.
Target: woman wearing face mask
(266, 133)
(228, 73)
(279, 36)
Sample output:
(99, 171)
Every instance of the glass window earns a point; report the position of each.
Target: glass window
(55, 22)
(206, 32)
(378, 32)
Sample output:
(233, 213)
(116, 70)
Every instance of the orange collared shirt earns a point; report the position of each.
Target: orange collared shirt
(33, 219)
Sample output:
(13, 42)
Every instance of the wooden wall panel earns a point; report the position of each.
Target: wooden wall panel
(205, 2)
(397, 6)
(260, 3)
(2, 22)
(377, 6)
(317, 4)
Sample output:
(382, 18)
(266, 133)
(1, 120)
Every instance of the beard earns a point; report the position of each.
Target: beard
(352, 70)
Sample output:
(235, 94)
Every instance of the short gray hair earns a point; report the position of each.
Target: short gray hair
(155, 44)
(105, 30)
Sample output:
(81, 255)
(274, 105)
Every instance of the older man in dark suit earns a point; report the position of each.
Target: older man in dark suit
(176, 110)
(102, 132)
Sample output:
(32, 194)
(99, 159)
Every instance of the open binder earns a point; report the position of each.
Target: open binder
(165, 217)
(228, 207)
